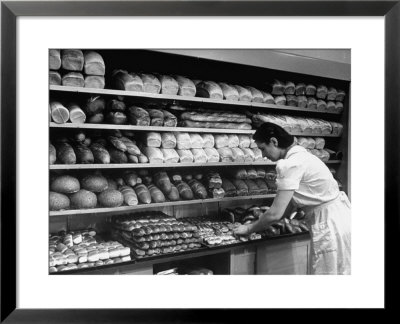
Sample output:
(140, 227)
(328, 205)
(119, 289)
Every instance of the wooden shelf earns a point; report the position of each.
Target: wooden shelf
(164, 165)
(173, 129)
(155, 205)
(174, 99)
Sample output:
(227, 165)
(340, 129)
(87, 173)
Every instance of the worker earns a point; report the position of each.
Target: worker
(305, 182)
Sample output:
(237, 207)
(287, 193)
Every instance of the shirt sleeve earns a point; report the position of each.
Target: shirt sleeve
(288, 175)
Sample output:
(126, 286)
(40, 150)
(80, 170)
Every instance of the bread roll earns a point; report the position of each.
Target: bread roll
(59, 114)
(186, 86)
(72, 59)
(153, 154)
(277, 88)
(169, 86)
(94, 64)
(221, 140)
(312, 103)
(73, 79)
(168, 140)
(225, 154)
(156, 195)
(76, 114)
(138, 116)
(122, 80)
(302, 101)
(199, 156)
(196, 141)
(233, 140)
(291, 100)
(267, 98)
(332, 93)
(208, 140)
(209, 89)
(150, 83)
(100, 154)
(280, 100)
(311, 90)
(58, 201)
(95, 81)
(152, 139)
(229, 92)
(170, 120)
(83, 199)
(54, 59)
(183, 141)
(237, 155)
(170, 155)
(185, 156)
(212, 155)
(300, 89)
(156, 117)
(340, 95)
(244, 94)
(65, 153)
(322, 92)
(54, 78)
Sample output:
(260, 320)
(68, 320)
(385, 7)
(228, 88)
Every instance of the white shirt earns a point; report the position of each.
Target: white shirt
(308, 176)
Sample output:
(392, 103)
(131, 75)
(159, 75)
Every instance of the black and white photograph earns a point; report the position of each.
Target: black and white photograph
(194, 162)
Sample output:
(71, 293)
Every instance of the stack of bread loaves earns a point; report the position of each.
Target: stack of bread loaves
(80, 69)
(83, 249)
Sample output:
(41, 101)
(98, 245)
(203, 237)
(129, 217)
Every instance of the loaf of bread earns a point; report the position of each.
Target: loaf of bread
(183, 141)
(83, 199)
(116, 105)
(208, 140)
(302, 141)
(233, 140)
(76, 114)
(251, 173)
(336, 128)
(95, 81)
(289, 88)
(321, 105)
(221, 140)
(52, 154)
(244, 94)
(130, 178)
(156, 117)
(319, 143)
(311, 90)
(322, 92)
(262, 186)
(143, 193)
(138, 116)
(174, 194)
(170, 155)
(280, 100)
(229, 188)
(209, 116)
(212, 154)
(248, 155)
(199, 156)
(150, 83)
(143, 158)
(312, 103)
(156, 195)
(237, 155)
(117, 156)
(198, 189)
(132, 158)
(302, 101)
(291, 100)
(58, 201)
(54, 59)
(340, 95)
(213, 180)
(195, 124)
(229, 92)
(59, 113)
(154, 154)
(54, 78)
(168, 140)
(196, 141)
(257, 154)
(256, 95)
(338, 107)
(95, 119)
(122, 80)
(83, 154)
(65, 153)
(184, 190)
(117, 143)
(209, 89)
(330, 106)
(186, 86)
(277, 88)
(225, 154)
(300, 89)
(268, 98)
(94, 64)
(169, 86)
(241, 187)
(170, 120)
(131, 148)
(152, 139)
(332, 93)
(185, 156)
(110, 198)
(100, 154)
(252, 187)
(72, 59)
(217, 193)
(94, 183)
(73, 79)
(244, 141)
(95, 105)
(260, 173)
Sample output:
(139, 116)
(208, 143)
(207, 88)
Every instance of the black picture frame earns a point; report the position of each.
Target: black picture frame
(11, 10)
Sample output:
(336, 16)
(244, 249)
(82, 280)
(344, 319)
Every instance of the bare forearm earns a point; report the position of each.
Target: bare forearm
(264, 221)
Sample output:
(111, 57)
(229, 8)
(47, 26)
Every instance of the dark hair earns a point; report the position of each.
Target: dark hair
(267, 130)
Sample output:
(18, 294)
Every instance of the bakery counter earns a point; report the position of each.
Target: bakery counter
(260, 259)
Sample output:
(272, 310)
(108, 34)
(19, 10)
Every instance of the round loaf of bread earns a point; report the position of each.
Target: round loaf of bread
(83, 199)
(94, 183)
(58, 201)
(65, 184)
(111, 198)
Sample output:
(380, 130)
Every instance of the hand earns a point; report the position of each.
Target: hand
(241, 230)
